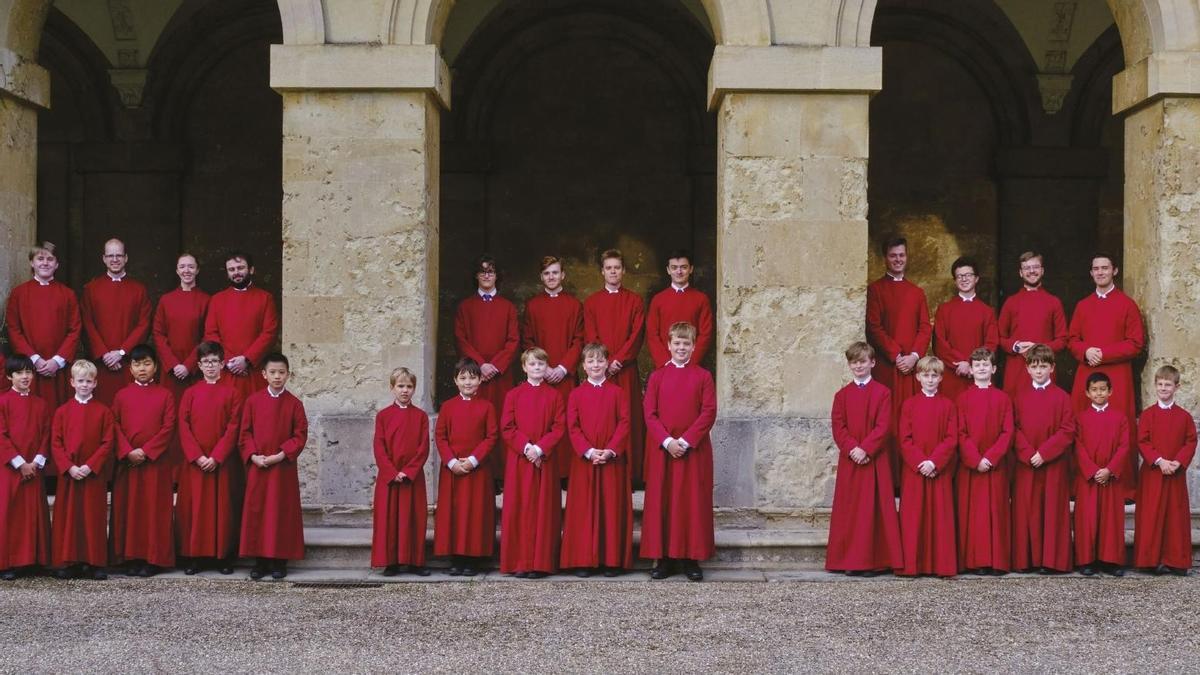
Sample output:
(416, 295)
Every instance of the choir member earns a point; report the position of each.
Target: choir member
(679, 302)
(43, 322)
(244, 321)
(24, 449)
(116, 316)
(962, 324)
(400, 506)
(179, 327)
(1101, 449)
(1031, 316)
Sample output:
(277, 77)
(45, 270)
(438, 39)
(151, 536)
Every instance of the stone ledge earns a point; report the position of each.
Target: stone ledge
(1154, 77)
(360, 68)
(23, 79)
(794, 69)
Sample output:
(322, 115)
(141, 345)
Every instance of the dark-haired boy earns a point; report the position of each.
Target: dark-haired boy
(24, 449)
(1101, 454)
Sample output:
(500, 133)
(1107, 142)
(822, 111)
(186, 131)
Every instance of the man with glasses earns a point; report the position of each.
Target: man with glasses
(116, 317)
(961, 325)
(1029, 317)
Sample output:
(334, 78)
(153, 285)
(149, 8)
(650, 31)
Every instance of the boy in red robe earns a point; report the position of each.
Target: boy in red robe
(1101, 449)
(679, 302)
(244, 321)
(208, 506)
(143, 533)
(554, 322)
(864, 532)
(485, 331)
(24, 448)
(274, 431)
(1163, 521)
(929, 448)
(82, 443)
(464, 527)
(1044, 424)
(598, 524)
(116, 316)
(680, 407)
(614, 317)
(43, 322)
(401, 509)
(1029, 317)
(532, 424)
(178, 327)
(985, 438)
(961, 325)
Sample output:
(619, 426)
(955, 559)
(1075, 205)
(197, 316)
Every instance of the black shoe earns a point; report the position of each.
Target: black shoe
(1116, 571)
(191, 570)
(226, 570)
(998, 573)
(469, 571)
(662, 569)
(391, 570)
(1159, 570)
(99, 574)
(257, 573)
(854, 573)
(536, 575)
(694, 573)
(1178, 571)
(64, 573)
(865, 573)
(522, 575)
(454, 571)
(8, 575)
(583, 573)
(149, 570)
(419, 571)
(1087, 571)
(279, 572)
(611, 572)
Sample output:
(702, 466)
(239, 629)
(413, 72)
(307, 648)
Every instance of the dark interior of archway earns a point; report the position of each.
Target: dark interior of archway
(576, 126)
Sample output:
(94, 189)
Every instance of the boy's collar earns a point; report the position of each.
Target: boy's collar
(597, 383)
(84, 400)
(929, 395)
(141, 384)
(464, 396)
(1166, 406)
(672, 362)
(208, 381)
(272, 394)
(534, 384)
(1099, 408)
(967, 298)
(482, 293)
(43, 283)
(681, 288)
(1039, 387)
(862, 382)
(1102, 294)
(985, 385)
(400, 405)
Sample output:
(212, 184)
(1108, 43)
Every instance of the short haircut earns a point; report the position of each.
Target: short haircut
(682, 329)
(143, 351)
(1040, 354)
(964, 261)
(535, 353)
(930, 364)
(276, 357)
(548, 260)
(1029, 255)
(892, 242)
(1103, 254)
(237, 255)
(402, 373)
(681, 253)
(857, 351)
(1099, 377)
(594, 349)
(38, 248)
(210, 348)
(612, 253)
(187, 254)
(485, 259)
(1167, 373)
(83, 368)
(468, 366)
(983, 354)
(17, 363)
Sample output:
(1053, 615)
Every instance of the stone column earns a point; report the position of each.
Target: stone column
(24, 88)
(792, 243)
(360, 242)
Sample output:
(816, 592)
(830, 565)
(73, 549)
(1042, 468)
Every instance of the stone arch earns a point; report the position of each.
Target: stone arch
(21, 26)
(303, 22)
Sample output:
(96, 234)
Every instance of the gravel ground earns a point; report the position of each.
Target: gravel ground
(833, 624)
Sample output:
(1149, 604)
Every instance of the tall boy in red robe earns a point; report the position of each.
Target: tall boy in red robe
(985, 439)
(464, 527)
(400, 509)
(864, 532)
(82, 443)
(24, 448)
(532, 424)
(1029, 317)
(143, 532)
(178, 327)
(681, 407)
(244, 321)
(929, 448)
(1163, 521)
(961, 325)
(598, 525)
(614, 316)
(116, 316)
(1101, 447)
(485, 331)
(1044, 424)
(274, 431)
(554, 322)
(43, 323)
(679, 302)
(208, 506)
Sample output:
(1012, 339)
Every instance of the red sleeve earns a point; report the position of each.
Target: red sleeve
(1060, 441)
(579, 442)
(491, 434)
(99, 460)
(228, 442)
(465, 348)
(266, 337)
(387, 470)
(941, 343)
(1188, 451)
(58, 443)
(658, 350)
(876, 439)
(886, 347)
(1005, 326)
(193, 357)
(1083, 456)
(161, 440)
(909, 451)
(629, 351)
(549, 440)
(1075, 335)
(13, 315)
(1024, 448)
(1058, 316)
(441, 435)
(161, 343)
(187, 439)
(704, 332)
(619, 441)
(1004, 441)
(417, 465)
(142, 327)
(1135, 338)
(708, 412)
(924, 328)
(1145, 440)
(298, 436)
(94, 338)
(991, 332)
(212, 325)
(943, 455)
(8, 450)
(503, 360)
(967, 448)
(527, 327)
(246, 433)
(655, 429)
(841, 431)
(514, 438)
(570, 358)
(1116, 464)
(124, 446)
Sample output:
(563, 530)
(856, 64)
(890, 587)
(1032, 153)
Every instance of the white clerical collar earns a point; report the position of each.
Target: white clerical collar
(1041, 387)
(967, 298)
(612, 291)
(272, 394)
(597, 383)
(464, 396)
(680, 289)
(1168, 405)
(1098, 408)
(20, 393)
(485, 294)
(893, 277)
(534, 384)
(216, 381)
(864, 382)
(929, 395)
(1104, 294)
(984, 386)
(1033, 288)
(116, 277)
(82, 400)
(672, 362)
(43, 283)
(187, 290)
(141, 384)
(554, 294)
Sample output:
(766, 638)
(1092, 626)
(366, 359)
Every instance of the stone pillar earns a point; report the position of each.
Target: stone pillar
(24, 88)
(792, 274)
(360, 243)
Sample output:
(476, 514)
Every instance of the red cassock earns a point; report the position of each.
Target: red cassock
(1114, 324)
(677, 517)
(598, 524)
(1029, 316)
(1163, 520)
(142, 495)
(985, 431)
(670, 306)
(82, 435)
(928, 432)
(1044, 424)
(616, 321)
(1101, 441)
(556, 325)
(245, 323)
(959, 328)
(116, 315)
(864, 531)
(24, 518)
(897, 324)
(5, 385)
(272, 523)
(209, 504)
(401, 509)
(465, 521)
(178, 328)
(486, 331)
(531, 521)
(44, 320)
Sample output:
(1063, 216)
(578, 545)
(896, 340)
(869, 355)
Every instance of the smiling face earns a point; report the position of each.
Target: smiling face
(680, 270)
(276, 374)
(44, 264)
(897, 259)
(1099, 392)
(186, 269)
(1165, 389)
(21, 381)
(613, 271)
(210, 367)
(403, 391)
(485, 276)
(595, 366)
(143, 370)
(861, 368)
(1103, 272)
(535, 369)
(553, 276)
(1031, 272)
(965, 279)
(982, 371)
(1040, 372)
(84, 385)
(114, 257)
(239, 272)
(467, 383)
(681, 348)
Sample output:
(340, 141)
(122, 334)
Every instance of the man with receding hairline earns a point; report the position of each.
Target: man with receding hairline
(116, 317)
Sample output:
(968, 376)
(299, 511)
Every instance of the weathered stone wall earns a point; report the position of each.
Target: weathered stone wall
(18, 157)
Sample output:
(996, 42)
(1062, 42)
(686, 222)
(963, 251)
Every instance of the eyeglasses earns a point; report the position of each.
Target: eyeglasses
(964, 277)
(210, 362)
(486, 273)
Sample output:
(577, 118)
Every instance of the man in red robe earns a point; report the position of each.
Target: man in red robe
(116, 316)
(1101, 449)
(554, 322)
(961, 325)
(485, 331)
(401, 509)
(614, 317)
(1031, 316)
(143, 533)
(24, 448)
(43, 323)
(1167, 442)
(680, 407)
(244, 321)
(1105, 336)
(678, 302)
(1044, 424)
(274, 431)
(178, 327)
(864, 531)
